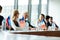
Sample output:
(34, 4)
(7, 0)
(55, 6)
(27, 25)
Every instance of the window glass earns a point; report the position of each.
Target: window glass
(34, 12)
(22, 6)
(8, 6)
(44, 7)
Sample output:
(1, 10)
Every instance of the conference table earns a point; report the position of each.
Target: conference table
(38, 33)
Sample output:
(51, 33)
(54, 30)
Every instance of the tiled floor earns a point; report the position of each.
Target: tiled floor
(7, 36)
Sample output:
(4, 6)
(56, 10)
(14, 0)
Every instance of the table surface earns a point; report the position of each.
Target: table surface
(39, 33)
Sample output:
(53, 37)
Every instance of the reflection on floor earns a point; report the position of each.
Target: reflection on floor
(7, 36)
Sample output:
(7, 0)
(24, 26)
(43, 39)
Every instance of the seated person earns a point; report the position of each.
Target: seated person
(8, 24)
(14, 21)
(26, 16)
(47, 21)
(22, 23)
(41, 22)
(1, 17)
(53, 24)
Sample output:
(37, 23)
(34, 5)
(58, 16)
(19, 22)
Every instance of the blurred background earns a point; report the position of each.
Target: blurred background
(34, 7)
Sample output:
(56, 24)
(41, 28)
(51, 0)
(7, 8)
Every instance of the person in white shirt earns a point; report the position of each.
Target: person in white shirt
(53, 24)
(41, 22)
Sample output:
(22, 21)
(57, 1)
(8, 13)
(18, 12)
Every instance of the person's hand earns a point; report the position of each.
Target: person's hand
(32, 28)
(9, 28)
(56, 29)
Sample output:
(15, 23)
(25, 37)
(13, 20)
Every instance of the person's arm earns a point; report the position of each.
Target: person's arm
(31, 26)
(13, 25)
(56, 27)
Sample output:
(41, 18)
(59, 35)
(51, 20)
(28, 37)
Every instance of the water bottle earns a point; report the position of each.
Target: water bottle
(53, 27)
(26, 26)
(3, 25)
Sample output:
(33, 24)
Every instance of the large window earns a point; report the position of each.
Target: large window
(54, 10)
(44, 7)
(34, 8)
(22, 6)
(8, 6)
(34, 12)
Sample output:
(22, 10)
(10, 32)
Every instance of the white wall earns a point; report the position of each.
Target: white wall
(54, 10)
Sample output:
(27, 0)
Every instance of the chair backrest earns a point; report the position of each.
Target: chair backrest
(8, 22)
